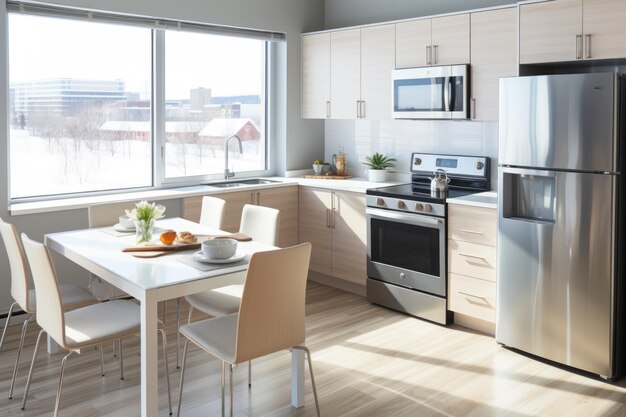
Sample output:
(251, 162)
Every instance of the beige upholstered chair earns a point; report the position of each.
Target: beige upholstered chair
(72, 296)
(78, 329)
(261, 224)
(270, 318)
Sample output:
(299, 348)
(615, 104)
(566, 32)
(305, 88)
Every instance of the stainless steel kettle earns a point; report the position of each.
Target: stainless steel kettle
(439, 183)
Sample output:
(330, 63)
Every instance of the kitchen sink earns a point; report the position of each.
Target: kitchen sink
(253, 181)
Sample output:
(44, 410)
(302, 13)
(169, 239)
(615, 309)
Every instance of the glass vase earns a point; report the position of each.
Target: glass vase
(144, 230)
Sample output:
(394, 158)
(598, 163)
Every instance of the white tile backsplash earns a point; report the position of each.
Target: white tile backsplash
(399, 138)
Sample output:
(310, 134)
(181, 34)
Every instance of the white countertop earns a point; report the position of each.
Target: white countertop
(358, 185)
(488, 199)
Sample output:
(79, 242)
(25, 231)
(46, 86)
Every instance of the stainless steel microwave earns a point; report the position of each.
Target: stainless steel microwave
(431, 92)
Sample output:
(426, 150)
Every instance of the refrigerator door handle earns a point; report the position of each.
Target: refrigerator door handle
(446, 94)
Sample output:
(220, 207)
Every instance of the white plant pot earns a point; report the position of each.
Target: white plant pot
(377, 175)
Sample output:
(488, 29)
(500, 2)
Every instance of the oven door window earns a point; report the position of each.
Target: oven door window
(419, 95)
(405, 246)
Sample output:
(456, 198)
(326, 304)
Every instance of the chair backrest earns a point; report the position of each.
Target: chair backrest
(17, 262)
(107, 214)
(260, 223)
(49, 307)
(212, 212)
(271, 314)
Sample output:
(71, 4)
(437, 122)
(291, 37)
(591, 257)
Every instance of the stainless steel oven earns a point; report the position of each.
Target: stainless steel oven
(407, 249)
(406, 234)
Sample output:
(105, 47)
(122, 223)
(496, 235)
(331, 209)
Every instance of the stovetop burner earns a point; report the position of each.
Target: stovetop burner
(418, 192)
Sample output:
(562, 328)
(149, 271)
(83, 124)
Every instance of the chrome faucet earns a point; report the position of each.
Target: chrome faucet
(227, 173)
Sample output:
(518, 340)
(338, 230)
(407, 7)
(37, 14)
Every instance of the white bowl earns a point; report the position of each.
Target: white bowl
(126, 222)
(219, 248)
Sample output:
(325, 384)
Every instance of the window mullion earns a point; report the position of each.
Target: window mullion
(158, 106)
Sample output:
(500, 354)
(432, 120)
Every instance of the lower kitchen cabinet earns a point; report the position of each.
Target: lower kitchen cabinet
(284, 199)
(472, 235)
(334, 222)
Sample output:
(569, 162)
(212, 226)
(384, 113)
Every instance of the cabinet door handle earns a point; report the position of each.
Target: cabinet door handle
(467, 255)
(473, 232)
(328, 218)
(358, 109)
(472, 295)
(332, 218)
(435, 53)
(251, 198)
(362, 108)
(473, 109)
(579, 47)
(587, 46)
(428, 60)
(328, 109)
(258, 198)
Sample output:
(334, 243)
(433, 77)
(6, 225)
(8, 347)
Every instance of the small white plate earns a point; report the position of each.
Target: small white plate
(119, 228)
(238, 256)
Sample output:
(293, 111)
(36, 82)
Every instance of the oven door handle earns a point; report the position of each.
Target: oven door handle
(415, 219)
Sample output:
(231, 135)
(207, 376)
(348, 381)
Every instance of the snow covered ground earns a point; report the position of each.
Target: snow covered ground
(39, 166)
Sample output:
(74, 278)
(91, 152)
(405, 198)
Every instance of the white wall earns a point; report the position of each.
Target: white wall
(297, 138)
(341, 13)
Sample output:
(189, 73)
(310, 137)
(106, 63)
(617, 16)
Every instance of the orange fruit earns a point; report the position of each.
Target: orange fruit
(168, 237)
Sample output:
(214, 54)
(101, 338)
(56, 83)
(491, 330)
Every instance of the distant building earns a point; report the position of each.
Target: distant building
(200, 97)
(182, 132)
(220, 128)
(64, 96)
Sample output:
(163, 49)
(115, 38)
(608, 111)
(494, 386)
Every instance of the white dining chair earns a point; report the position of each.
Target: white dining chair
(261, 224)
(72, 295)
(81, 328)
(212, 212)
(270, 317)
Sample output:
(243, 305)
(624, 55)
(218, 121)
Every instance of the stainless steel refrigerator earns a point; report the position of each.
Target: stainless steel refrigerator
(559, 290)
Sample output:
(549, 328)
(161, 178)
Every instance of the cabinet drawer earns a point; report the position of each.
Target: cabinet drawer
(471, 259)
(472, 224)
(472, 297)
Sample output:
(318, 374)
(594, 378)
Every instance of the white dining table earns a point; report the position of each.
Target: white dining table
(151, 280)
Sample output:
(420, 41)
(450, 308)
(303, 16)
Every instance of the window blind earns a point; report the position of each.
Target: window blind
(45, 9)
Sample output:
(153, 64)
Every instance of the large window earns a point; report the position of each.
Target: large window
(214, 88)
(84, 116)
(76, 88)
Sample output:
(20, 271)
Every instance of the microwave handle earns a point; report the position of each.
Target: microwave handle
(446, 94)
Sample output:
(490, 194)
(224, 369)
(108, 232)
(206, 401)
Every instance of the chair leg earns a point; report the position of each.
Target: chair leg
(32, 366)
(182, 377)
(167, 370)
(6, 324)
(190, 313)
(58, 400)
(177, 333)
(121, 360)
(230, 380)
(17, 359)
(101, 349)
(250, 374)
(223, 388)
(308, 356)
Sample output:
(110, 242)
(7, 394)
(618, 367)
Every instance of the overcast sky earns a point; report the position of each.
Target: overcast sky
(41, 48)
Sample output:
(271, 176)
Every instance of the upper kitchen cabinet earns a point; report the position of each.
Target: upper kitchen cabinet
(345, 74)
(569, 30)
(437, 41)
(316, 76)
(492, 57)
(377, 61)
(361, 61)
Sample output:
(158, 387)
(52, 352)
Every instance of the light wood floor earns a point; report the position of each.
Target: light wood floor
(368, 361)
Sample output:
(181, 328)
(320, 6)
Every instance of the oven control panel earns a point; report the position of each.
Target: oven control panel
(466, 166)
(399, 204)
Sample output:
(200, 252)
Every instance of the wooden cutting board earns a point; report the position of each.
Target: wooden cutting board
(328, 177)
(163, 249)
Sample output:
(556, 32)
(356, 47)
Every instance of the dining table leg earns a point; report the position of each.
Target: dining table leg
(149, 356)
(297, 378)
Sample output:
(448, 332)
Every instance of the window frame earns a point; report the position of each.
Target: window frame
(158, 28)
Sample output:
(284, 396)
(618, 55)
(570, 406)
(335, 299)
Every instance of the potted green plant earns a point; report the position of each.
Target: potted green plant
(378, 164)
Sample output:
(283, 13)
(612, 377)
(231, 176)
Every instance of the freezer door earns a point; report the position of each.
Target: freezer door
(556, 266)
(559, 122)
